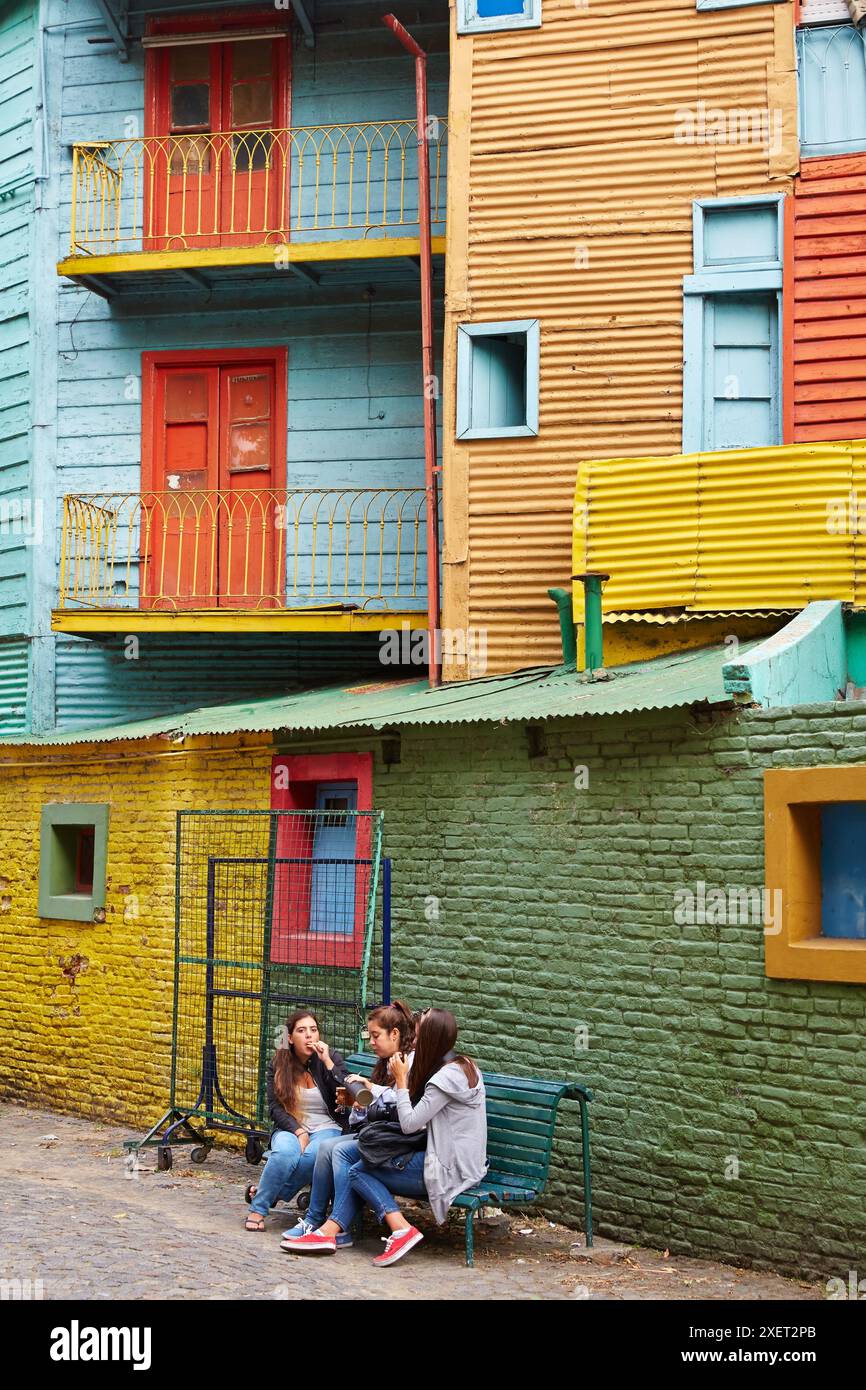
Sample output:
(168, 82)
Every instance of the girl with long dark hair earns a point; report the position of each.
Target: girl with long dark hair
(445, 1094)
(391, 1030)
(303, 1078)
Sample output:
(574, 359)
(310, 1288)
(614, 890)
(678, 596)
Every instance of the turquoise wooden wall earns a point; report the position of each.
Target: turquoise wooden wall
(17, 517)
(98, 682)
(355, 409)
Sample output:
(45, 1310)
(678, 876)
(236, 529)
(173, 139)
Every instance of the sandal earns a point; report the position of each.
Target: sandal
(254, 1222)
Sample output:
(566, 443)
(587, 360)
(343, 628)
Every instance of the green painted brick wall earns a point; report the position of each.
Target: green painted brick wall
(534, 909)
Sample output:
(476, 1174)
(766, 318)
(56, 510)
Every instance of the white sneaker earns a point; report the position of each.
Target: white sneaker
(303, 1228)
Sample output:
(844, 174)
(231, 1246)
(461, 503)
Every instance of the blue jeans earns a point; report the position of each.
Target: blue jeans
(287, 1169)
(334, 1158)
(403, 1175)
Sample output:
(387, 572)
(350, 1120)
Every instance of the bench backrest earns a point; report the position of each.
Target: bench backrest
(521, 1118)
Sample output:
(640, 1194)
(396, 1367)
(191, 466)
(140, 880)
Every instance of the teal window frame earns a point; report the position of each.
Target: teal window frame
(57, 896)
(733, 277)
(469, 21)
(467, 333)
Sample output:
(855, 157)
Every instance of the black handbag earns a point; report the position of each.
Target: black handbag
(382, 1138)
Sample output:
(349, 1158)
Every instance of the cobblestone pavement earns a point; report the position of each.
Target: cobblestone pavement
(71, 1216)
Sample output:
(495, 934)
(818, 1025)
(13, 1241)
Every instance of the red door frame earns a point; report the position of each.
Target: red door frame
(275, 358)
(156, 108)
(305, 772)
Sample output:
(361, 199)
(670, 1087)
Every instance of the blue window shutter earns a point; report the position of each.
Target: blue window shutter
(499, 381)
(740, 372)
(831, 64)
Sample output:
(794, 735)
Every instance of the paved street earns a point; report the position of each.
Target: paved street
(72, 1217)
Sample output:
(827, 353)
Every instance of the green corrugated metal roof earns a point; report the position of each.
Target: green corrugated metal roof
(541, 693)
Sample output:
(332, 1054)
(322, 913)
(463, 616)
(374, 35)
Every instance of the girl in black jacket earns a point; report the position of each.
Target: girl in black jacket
(302, 1102)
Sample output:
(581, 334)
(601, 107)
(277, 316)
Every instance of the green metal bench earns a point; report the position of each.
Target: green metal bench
(521, 1118)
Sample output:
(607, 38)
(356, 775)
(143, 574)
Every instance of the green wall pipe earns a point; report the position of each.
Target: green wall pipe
(568, 632)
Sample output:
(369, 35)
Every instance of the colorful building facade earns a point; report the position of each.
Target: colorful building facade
(232, 334)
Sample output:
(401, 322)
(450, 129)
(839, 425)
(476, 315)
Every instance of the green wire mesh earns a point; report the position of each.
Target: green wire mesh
(275, 911)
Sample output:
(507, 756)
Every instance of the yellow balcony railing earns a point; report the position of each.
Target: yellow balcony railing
(302, 548)
(251, 187)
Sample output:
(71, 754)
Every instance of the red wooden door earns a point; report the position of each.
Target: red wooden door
(213, 470)
(217, 160)
(255, 164)
(179, 514)
(249, 569)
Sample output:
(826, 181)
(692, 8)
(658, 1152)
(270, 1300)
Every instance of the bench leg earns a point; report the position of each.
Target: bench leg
(470, 1238)
(587, 1177)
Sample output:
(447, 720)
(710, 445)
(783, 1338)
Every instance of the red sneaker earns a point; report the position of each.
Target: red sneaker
(398, 1245)
(310, 1244)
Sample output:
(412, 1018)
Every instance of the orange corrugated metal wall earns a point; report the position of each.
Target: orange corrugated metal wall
(827, 378)
(574, 206)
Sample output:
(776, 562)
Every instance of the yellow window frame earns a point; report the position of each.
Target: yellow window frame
(793, 801)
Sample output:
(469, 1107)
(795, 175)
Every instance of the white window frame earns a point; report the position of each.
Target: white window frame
(466, 332)
(468, 21)
(731, 4)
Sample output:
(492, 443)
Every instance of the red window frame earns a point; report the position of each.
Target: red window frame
(305, 772)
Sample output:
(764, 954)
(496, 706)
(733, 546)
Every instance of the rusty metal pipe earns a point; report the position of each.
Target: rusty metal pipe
(431, 467)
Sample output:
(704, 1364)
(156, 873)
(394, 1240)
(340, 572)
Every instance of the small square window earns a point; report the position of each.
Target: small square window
(73, 848)
(486, 16)
(735, 234)
(497, 379)
(814, 824)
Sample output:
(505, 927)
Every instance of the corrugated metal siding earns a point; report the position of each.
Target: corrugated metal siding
(97, 681)
(580, 209)
(829, 284)
(16, 170)
(683, 678)
(739, 530)
(13, 686)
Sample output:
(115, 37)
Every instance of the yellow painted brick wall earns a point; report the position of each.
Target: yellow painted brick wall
(86, 1008)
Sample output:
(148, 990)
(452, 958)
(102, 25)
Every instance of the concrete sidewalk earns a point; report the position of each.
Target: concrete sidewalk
(72, 1217)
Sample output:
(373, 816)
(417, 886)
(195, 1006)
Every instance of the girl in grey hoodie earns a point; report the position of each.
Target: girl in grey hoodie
(445, 1094)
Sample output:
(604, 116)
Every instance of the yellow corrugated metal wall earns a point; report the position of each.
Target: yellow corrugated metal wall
(570, 201)
(735, 530)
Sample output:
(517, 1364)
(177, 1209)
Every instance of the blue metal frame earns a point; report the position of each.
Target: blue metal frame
(465, 334)
(818, 149)
(386, 930)
(468, 21)
(703, 205)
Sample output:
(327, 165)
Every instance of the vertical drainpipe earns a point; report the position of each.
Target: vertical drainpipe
(593, 640)
(431, 468)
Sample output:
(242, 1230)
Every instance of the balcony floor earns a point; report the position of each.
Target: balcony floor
(90, 622)
(203, 270)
